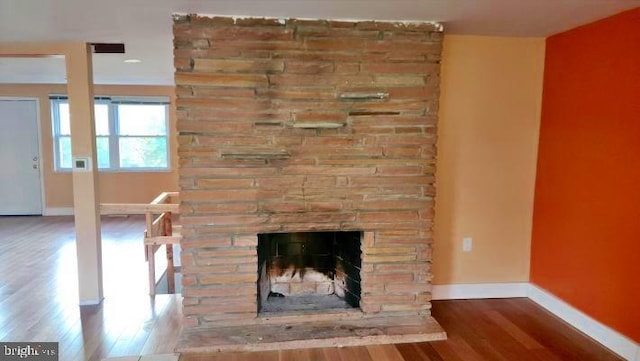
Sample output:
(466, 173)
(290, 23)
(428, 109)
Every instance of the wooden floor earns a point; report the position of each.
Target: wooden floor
(39, 292)
(38, 302)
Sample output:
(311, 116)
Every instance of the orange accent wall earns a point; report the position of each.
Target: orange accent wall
(586, 221)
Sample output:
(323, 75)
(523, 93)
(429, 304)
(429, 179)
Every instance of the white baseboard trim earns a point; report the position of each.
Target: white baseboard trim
(58, 211)
(613, 340)
(480, 290)
(608, 337)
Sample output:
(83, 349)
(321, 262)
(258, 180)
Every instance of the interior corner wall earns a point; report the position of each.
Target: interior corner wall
(586, 228)
(491, 90)
(115, 187)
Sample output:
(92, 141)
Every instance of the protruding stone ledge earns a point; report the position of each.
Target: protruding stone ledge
(363, 96)
(318, 125)
(257, 154)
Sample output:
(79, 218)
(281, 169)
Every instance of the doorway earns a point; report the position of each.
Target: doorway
(20, 182)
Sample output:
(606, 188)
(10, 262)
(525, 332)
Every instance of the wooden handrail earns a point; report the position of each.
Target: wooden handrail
(138, 208)
(159, 229)
(162, 197)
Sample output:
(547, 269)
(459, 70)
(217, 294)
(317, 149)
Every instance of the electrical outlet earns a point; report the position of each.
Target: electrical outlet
(467, 244)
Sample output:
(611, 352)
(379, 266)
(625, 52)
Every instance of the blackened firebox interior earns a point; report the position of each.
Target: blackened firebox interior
(309, 271)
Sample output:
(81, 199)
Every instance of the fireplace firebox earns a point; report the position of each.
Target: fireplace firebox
(309, 271)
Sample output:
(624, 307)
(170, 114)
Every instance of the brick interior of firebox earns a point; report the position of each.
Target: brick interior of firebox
(309, 271)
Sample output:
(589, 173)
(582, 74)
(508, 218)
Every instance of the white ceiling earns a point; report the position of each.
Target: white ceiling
(145, 26)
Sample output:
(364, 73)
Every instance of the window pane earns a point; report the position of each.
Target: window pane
(102, 119)
(143, 152)
(65, 122)
(102, 146)
(142, 119)
(64, 152)
(101, 115)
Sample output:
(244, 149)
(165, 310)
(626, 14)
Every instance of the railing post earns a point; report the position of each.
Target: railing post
(168, 231)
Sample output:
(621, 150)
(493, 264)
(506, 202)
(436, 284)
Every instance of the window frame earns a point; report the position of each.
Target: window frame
(114, 137)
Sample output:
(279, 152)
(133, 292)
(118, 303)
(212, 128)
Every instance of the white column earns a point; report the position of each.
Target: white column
(85, 183)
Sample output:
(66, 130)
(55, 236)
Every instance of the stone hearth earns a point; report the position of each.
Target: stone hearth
(305, 126)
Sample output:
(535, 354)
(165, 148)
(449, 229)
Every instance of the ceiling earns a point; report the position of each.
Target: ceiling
(145, 26)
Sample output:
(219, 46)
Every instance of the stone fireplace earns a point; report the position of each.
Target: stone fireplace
(298, 138)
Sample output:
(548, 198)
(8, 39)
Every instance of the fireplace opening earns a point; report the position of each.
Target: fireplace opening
(308, 271)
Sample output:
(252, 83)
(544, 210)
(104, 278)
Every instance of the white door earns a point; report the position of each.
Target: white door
(20, 189)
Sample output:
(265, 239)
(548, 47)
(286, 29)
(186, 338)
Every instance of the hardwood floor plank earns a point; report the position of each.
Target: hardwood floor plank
(295, 355)
(446, 351)
(359, 353)
(464, 350)
(384, 353)
(503, 346)
(427, 349)
(317, 354)
(410, 351)
(331, 354)
(516, 332)
(560, 338)
(471, 329)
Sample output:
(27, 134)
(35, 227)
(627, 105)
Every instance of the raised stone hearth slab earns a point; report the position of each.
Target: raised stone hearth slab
(323, 333)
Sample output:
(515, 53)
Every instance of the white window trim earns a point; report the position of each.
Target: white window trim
(114, 151)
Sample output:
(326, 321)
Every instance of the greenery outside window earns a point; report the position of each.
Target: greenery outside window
(131, 133)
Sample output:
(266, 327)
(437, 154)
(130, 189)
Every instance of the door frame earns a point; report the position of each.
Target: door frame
(43, 202)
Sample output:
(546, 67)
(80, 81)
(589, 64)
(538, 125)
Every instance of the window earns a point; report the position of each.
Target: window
(131, 134)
